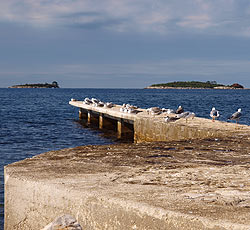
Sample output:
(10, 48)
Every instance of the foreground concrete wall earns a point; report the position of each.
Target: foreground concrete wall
(32, 205)
(202, 184)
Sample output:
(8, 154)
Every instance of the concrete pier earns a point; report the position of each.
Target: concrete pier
(191, 176)
(148, 128)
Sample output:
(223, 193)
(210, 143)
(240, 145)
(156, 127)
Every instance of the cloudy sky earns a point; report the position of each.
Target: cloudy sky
(124, 43)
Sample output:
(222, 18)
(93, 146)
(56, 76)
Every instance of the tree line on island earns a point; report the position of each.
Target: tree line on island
(196, 84)
(54, 84)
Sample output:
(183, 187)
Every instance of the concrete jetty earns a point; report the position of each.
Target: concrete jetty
(147, 128)
(178, 175)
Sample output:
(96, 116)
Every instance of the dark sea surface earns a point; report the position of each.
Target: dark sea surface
(34, 121)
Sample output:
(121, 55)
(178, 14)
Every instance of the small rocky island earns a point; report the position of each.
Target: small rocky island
(54, 84)
(194, 85)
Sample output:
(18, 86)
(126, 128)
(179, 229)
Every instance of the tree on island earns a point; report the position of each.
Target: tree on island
(55, 84)
(237, 86)
(196, 84)
(191, 84)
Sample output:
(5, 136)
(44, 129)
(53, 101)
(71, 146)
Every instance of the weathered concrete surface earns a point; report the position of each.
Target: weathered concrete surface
(148, 128)
(199, 184)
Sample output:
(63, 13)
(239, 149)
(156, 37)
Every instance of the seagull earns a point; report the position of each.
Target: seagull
(171, 119)
(154, 110)
(170, 111)
(186, 115)
(95, 100)
(236, 116)
(132, 110)
(108, 105)
(100, 104)
(87, 101)
(179, 110)
(214, 114)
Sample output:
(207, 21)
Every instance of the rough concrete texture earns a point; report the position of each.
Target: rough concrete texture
(195, 184)
(156, 129)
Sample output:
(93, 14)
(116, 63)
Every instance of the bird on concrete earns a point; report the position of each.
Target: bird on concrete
(170, 111)
(179, 110)
(186, 115)
(108, 105)
(100, 104)
(236, 116)
(171, 119)
(95, 100)
(132, 110)
(214, 114)
(87, 101)
(154, 111)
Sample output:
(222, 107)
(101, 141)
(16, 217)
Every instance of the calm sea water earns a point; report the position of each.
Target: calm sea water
(34, 121)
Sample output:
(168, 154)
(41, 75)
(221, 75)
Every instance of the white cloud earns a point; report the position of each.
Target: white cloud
(132, 15)
(196, 21)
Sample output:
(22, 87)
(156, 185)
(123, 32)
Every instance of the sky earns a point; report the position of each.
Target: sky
(124, 43)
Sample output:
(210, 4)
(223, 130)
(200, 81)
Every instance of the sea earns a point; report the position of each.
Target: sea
(35, 121)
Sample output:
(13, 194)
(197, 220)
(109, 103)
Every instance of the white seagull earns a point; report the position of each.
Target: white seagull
(108, 105)
(186, 115)
(87, 101)
(154, 111)
(170, 111)
(214, 114)
(171, 119)
(236, 116)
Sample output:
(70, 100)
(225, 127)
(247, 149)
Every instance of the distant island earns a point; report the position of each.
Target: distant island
(54, 84)
(194, 85)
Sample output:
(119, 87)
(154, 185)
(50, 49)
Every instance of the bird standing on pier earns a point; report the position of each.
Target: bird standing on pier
(154, 111)
(214, 114)
(87, 101)
(171, 119)
(95, 100)
(186, 115)
(236, 116)
(170, 111)
(179, 110)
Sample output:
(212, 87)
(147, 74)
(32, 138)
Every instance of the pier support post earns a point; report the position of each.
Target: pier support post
(80, 113)
(101, 120)
(119, 128)
(89, 117)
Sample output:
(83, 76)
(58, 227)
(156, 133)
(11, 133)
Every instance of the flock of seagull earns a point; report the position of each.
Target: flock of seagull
(98, 103)
(179, 113)
(214, 114)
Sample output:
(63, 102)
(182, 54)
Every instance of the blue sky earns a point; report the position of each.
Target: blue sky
(124, 43)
